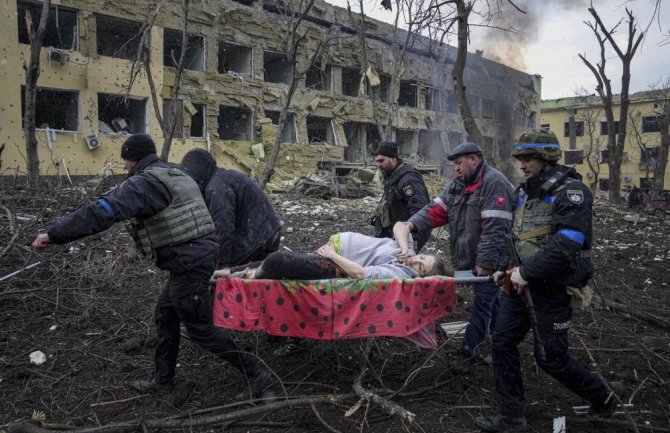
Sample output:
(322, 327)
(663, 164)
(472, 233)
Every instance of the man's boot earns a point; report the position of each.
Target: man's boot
(607, 408)
(151, 385)
(499, 423)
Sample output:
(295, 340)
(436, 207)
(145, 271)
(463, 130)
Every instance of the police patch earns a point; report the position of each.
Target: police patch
(408, 190)
(500, 201)
(576, 196)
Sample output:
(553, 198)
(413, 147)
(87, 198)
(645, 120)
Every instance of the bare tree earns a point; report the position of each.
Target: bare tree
(615, 146)
(661, 98)
(30, 97)
(142, 63)
(590, 113)
(300, 55)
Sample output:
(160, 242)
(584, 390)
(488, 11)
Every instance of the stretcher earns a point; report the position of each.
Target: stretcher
(338, 308)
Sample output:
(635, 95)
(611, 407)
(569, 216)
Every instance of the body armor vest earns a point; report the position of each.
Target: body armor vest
(385, 212)
(532, 221)
(184, 219)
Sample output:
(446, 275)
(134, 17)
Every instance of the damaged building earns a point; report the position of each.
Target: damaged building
(236, 72)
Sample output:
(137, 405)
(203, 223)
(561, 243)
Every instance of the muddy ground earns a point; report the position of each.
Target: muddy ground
(90, 312)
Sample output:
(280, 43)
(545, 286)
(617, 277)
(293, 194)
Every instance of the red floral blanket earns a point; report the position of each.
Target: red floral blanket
(333, 309)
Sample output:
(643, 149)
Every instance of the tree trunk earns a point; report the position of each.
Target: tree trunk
(172, 117)
(32, 74)
(474, 134)
(662, 156)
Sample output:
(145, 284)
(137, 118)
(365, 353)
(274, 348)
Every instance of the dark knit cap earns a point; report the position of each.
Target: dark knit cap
(137, 146)
(200, 165)
(387, 148)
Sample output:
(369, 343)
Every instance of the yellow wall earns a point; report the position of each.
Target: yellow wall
(631, 171)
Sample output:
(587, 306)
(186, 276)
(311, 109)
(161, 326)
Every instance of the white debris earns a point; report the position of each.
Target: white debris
(637, 218)
(38, 357)
(53, 327)
(559, 425)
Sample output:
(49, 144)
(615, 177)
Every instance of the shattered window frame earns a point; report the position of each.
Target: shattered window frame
(234, 47)
(579, 128)
(407, 139)
(276, 75)
(573, 156)
(234, 133)
(350, 86)
(324, 81)
(408, 94)
(433, 98)
(329, 137)
(134, 105)
(604, 129)
(201, 115)
(50, 114)
(651, 124)
(115, 29)
(430, 145)
(290, 131)
(172, 45)
(53, 36)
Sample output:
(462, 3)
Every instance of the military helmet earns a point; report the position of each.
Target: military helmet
(540, 144)
(464, 149)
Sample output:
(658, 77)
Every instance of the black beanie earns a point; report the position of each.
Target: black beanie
(387, 148)
(137, 146)
(200, 165)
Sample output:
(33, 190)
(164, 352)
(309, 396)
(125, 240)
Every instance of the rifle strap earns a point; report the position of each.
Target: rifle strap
(544, 230)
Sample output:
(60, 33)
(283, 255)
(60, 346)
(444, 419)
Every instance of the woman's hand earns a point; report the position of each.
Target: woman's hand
(327, 251)
(402, 255)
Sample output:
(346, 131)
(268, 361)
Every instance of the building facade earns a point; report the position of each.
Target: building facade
(235, 74)
(581, 126)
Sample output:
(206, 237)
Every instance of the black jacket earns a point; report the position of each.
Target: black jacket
(562, 261)
(140, 196)
(243, 215)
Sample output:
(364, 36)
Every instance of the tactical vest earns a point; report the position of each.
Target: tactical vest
(386, 214)
(184, 219)
(532, 221)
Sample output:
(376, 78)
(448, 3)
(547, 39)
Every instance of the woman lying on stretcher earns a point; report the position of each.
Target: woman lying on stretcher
(351, 255)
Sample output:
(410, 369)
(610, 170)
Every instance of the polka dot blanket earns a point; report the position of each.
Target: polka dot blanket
(334, 309)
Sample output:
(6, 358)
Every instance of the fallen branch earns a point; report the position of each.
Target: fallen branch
(638, 314)
(186, 422)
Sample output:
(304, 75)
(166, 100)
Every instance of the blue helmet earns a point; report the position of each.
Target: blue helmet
(539, 144)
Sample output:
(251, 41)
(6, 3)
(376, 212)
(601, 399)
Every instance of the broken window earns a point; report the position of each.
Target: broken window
(288, 133)
(56, 109)
(452, 103)
(408, 94)
(197, 129)
(320, 130)
(235, 59)
(430, 146)
(351, 79)
(604, 129)
(117, 114)
(406, 141)
(381, 92)
(61, 31)
(651, 124)
(433, 99)
(194, 58)
(455, 138)
(354, 132)
(579, 129)
(649, 157)
(318, 78)
(490, 110)
(116, 37)
(167, 106)
(573, 156)
(235, 123)
(277, 68)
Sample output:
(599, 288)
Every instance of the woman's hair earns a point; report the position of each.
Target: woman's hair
(441, 267)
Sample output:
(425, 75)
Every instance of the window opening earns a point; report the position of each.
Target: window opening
(194, 58)
(116, 115)
(61, 31)
(116, 37)
(235, 58)
(56, 109)
(234, 123)
(277, 68)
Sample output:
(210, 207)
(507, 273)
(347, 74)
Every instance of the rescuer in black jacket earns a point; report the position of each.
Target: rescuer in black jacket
(405, 194)
(171, 224)
(248, 227)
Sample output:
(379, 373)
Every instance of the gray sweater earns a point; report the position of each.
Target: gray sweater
(376, 255)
